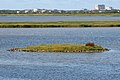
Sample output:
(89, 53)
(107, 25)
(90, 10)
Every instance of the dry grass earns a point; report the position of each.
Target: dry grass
(60, 24)
(62, 48)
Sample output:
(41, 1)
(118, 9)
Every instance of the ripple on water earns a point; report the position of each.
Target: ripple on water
(59, 66)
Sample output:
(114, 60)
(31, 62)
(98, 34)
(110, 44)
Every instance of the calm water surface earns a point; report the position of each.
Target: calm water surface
(55, 18)
(59, 66)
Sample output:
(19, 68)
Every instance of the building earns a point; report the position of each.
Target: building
(43, 10)
(100, 7)
(18, 12)
(109, 8)
(26, 10)
(35, 10)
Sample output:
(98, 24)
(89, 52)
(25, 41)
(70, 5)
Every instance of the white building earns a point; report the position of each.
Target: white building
(109, 8)
(26, 11)
(18, 12)
(35, 10)
(100, 7)
(43, 10)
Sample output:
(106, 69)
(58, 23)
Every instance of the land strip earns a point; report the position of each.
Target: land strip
(60, 24)
(82, 14)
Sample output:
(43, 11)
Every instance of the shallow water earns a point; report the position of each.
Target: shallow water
(59, 66)
(55, 18)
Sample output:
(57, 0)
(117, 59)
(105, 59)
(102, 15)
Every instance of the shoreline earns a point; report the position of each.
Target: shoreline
(61, 24)
(82, 14)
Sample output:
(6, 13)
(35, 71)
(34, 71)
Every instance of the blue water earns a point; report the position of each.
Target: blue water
(55, 18)
(59, 66)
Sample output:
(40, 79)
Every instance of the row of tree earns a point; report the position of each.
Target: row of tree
(56, 11)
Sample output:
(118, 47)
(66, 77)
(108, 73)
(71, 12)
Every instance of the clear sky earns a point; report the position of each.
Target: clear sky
(56, 4)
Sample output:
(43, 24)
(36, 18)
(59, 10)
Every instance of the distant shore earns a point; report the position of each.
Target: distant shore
(60, 24)
(82, 14)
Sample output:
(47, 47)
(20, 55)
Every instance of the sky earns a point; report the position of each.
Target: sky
(56, 4)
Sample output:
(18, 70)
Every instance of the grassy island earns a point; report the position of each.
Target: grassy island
(60, 24)
(66, 48)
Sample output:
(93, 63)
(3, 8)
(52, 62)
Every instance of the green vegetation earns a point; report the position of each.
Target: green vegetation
(60, 24)
(77, 48)
(80, 14)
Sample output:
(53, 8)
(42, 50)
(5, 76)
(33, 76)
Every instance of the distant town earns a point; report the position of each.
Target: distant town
(98, 9)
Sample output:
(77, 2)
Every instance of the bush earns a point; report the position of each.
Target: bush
(90, 44)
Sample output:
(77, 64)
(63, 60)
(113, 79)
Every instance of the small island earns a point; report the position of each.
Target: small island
(65, 48)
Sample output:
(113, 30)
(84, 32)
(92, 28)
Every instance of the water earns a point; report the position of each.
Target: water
(55, 18)
(59, 66)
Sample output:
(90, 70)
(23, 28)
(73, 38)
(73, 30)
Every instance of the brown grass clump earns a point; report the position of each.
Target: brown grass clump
(90, 44)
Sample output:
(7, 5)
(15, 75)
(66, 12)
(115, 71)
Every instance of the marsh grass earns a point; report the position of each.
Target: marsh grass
(62, 48)
(60, 24)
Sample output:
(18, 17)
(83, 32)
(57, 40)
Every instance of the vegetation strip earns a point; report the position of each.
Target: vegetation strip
(60, 24)
(67, 48)
(58, 14)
